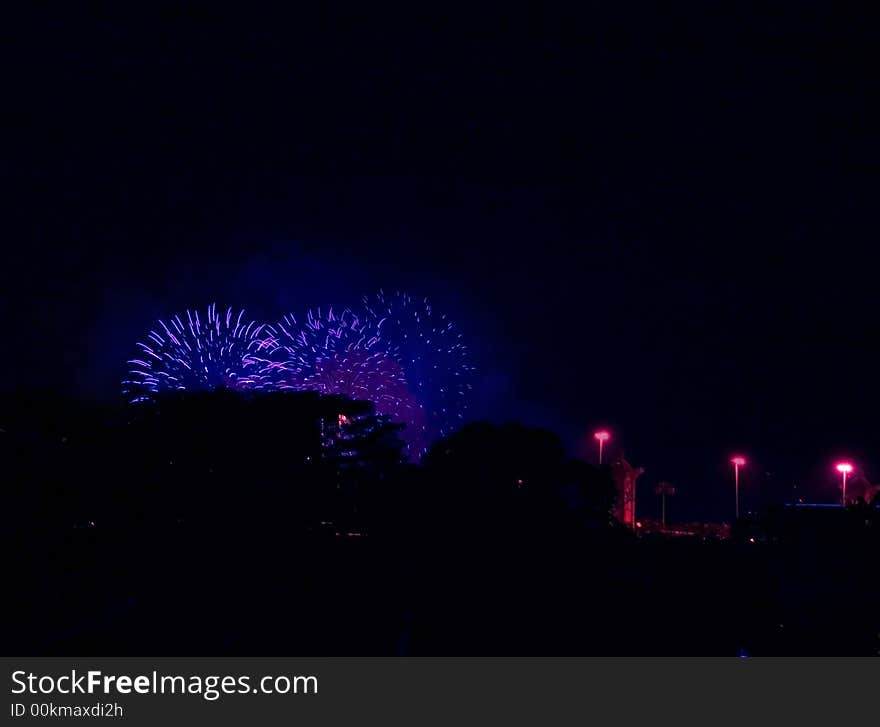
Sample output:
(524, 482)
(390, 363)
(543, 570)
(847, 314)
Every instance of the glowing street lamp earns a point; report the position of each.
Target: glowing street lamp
(844, 468)
(601, 436)
(737, 462)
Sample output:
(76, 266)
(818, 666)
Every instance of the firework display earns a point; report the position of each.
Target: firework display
(341, 353)
(192, 352)
(393, 350)
(430, 349)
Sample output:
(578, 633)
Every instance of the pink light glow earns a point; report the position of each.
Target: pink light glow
(844, 468)
(737, 462)
(601, 436)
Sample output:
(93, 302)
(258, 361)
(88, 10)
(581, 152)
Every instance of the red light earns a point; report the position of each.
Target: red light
(602, 436)
(844, 468)
(738, 461)
(638, 524)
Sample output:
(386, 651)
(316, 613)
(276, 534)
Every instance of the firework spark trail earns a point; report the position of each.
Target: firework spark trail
(431, 350)
(337, 353)
(394, 351)
(220, 350)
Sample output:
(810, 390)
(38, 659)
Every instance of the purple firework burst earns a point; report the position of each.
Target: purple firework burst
(430, 349)
(395, 352)
(191, 353)
(339, 353)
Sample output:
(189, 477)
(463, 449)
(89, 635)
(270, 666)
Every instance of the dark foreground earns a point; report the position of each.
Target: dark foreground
(223, 525)
(243, 589)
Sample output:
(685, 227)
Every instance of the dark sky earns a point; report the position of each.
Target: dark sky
(658, 219)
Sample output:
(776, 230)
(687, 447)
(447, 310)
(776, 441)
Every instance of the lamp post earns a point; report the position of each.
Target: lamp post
(601, 436)
(663, 489)
(844, 468)
(737, 462)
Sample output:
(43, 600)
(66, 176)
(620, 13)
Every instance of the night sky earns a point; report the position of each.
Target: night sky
(661, 220)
